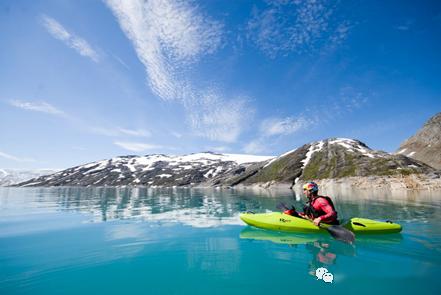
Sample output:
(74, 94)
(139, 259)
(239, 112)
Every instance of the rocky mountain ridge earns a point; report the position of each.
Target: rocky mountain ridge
(330, 159)
(14, 176)
(325, 159)
(150, 170)
(425, 145)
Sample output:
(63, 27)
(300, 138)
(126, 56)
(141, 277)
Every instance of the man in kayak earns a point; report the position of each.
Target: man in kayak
(318, 209)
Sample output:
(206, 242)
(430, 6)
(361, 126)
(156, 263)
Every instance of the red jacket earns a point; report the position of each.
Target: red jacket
(323, 209)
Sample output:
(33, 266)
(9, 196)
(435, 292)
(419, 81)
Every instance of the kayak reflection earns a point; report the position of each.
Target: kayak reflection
(324, 253)
(324, 249)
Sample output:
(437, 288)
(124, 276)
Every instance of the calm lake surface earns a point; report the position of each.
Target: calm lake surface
(191, 241)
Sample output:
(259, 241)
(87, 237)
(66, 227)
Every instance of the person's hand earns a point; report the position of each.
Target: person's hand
(304, 216)
(317, 221)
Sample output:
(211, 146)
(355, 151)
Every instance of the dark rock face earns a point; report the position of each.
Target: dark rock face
(425, 145)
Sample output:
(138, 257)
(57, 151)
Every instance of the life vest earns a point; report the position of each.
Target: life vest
(311, 211)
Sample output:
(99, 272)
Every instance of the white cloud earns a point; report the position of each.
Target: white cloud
(47, 108)
(340, 34)
(78, 44)
(254, 147)
(136, 132)
(286, 26)
(217, 119)
(169, 36)
(284, 126)
(136, 146)
(271, 129)
(121, 61)
(118, 131)
(348, 99)
(219, 149)
(42, 107)
(14, 158)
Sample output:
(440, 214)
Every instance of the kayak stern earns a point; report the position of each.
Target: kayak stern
(369, 226)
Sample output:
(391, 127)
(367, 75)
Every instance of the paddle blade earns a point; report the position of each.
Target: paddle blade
(282, 206)
(340, 233)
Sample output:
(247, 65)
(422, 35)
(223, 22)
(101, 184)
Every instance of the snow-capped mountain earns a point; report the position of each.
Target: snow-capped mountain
(151, 170)
(13, 176)
(425, 145)
(326, 159)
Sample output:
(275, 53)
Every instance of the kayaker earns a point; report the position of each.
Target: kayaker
(318, 208)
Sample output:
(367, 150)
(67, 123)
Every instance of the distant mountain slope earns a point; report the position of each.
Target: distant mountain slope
(331, 158)
(151, 170)
(13, 176)
(425, 145)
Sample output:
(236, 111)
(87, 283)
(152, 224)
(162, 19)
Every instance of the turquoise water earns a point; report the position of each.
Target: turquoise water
(190, 241)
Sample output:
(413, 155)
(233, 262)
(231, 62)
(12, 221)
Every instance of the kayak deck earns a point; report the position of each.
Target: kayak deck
(283, 222)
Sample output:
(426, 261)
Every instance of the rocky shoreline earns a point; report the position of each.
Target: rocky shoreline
(390, 183)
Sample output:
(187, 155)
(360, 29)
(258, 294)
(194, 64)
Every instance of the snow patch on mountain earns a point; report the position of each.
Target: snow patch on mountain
(353, 146)
(316, 147)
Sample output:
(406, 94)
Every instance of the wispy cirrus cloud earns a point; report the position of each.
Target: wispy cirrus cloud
(120, 61)
(77, 43)
(339, 34)
(284, 126)
(272, 129)
(44, 107)
(169, 37)
(137, 146)
(218, 119)
(40, 106)
(118, 131)
(348, 99)
(14, 158)
(295, 26)
(405, 26)
(256, 146)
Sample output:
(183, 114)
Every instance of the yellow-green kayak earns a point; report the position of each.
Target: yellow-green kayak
(283, 222)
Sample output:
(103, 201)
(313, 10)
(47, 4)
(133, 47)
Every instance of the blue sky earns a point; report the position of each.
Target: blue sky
(87, 80)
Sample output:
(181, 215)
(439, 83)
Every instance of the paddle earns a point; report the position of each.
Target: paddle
(282, 205)
(338, 232)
